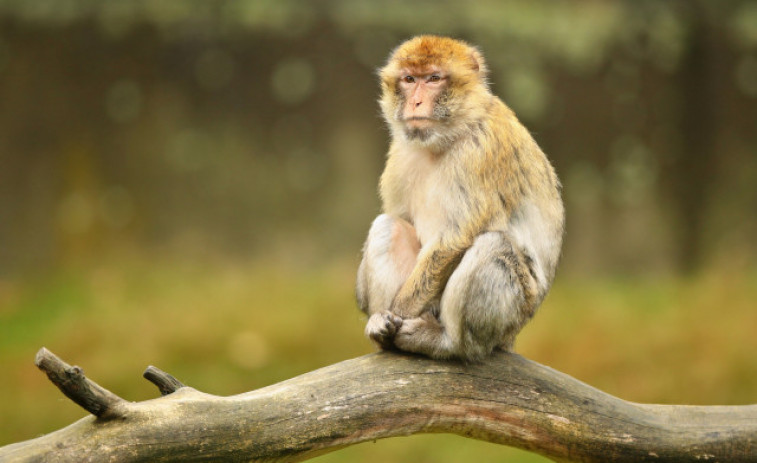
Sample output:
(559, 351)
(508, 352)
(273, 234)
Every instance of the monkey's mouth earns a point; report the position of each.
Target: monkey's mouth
(419, 122)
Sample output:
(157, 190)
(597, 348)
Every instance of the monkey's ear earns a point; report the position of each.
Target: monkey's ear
(387, 75)
(478, 65)
(474, 63)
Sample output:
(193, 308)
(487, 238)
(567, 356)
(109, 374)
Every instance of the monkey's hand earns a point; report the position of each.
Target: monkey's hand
(382, 327)
(432, 270)
(409, 307)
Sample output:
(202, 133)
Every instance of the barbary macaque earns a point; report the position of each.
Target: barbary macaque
(472, 224)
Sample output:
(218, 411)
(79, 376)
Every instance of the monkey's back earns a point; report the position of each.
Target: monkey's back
(529, 190)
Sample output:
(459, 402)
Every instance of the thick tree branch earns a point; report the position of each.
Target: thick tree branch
(506, 399)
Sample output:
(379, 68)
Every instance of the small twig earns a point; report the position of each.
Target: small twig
(71, 381)
(166, 383)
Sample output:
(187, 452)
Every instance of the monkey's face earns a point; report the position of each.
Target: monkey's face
(422, 95)
(432, 87)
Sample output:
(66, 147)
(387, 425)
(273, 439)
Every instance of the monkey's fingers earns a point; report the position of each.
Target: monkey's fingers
(382, 327)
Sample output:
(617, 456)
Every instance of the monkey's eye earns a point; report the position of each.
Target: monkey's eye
(434, 78)
(408, 79)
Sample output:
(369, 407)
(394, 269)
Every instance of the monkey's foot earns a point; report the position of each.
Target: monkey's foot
(382, 327)
(423, 335)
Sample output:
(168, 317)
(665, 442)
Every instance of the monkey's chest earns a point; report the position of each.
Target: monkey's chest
(416, 186)
(428, 203)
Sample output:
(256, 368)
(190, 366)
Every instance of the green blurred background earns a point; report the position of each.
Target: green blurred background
(188, 184)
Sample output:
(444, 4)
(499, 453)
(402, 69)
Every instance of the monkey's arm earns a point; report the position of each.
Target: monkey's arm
(436, 262)
(428, 278)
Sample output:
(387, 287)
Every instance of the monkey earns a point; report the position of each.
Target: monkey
(472, 220)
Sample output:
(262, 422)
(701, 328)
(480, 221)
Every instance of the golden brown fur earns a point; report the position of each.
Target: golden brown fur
(467, 183)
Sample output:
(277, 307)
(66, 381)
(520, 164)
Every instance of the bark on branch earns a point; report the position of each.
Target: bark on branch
(507, 400)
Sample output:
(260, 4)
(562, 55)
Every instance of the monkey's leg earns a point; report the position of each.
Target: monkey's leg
(483, 306)
(389, 256)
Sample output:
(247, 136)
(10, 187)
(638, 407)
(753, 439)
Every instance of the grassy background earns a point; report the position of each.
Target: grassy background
(226, 329)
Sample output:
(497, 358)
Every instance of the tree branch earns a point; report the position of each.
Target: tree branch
(72, 382)
(506, 399)
(166, 383)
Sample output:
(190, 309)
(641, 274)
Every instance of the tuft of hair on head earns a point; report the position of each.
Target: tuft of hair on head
(421, 52)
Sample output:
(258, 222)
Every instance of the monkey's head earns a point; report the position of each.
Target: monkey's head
(431, 88)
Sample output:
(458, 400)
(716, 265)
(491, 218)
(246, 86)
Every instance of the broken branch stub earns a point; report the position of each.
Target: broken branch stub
(72, 382)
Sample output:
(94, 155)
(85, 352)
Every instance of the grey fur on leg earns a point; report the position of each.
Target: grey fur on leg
(484, 305)
(488, 298)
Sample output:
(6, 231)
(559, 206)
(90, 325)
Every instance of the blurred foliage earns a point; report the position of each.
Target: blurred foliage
(188, 183)
(217, 125)
(250, 127)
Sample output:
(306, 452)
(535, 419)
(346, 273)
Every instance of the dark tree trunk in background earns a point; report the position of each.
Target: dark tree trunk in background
(694, 170)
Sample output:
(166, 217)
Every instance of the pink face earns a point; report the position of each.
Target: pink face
(421, 89)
